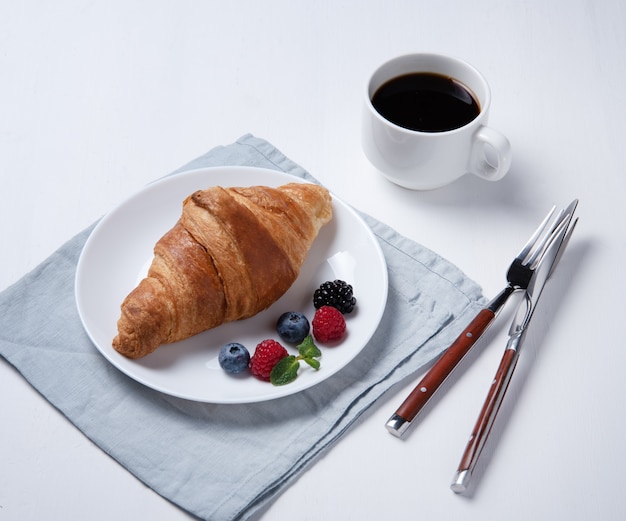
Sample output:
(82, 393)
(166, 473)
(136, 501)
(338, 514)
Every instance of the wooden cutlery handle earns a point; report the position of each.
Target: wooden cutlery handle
(485, 420)
(427, 387)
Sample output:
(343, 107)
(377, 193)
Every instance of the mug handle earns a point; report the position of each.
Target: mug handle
(485, 166)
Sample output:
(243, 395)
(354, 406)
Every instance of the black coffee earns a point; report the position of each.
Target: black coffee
(426, 102)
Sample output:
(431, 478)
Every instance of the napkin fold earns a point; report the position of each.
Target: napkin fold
(227, 462)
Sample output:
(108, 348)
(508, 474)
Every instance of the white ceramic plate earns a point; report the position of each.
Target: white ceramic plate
(117, 255)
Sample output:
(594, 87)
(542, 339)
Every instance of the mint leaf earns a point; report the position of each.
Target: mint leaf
(315, 364)
(285, 371)
(308, 349)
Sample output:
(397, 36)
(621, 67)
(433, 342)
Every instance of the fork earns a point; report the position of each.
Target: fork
(518, 276)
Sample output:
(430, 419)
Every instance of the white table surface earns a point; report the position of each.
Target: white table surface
(99, 98)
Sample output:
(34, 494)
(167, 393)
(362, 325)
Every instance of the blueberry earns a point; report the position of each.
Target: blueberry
(234, 358)
(293, 327)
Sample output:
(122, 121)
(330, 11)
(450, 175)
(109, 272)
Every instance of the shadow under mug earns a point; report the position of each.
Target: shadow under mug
(421, 160)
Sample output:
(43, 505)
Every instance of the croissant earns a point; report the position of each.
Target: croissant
(232, 253)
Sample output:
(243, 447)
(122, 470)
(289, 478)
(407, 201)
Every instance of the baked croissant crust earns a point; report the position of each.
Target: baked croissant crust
(233, 253)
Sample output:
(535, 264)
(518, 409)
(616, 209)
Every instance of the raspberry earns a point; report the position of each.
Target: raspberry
(266, 355)
(336, 293)
(328, 324)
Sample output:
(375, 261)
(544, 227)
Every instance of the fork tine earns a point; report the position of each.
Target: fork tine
(562, 221)
(533, 239)
(539, 248)
(557, 233)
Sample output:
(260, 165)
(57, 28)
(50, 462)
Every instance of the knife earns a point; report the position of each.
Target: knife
(517, 333)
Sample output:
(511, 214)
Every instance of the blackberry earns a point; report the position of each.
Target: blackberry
(337, 294)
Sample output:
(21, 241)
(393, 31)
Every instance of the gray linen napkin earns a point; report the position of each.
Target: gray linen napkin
(223, 462)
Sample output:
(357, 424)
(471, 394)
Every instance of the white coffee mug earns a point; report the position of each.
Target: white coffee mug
(424, 160)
